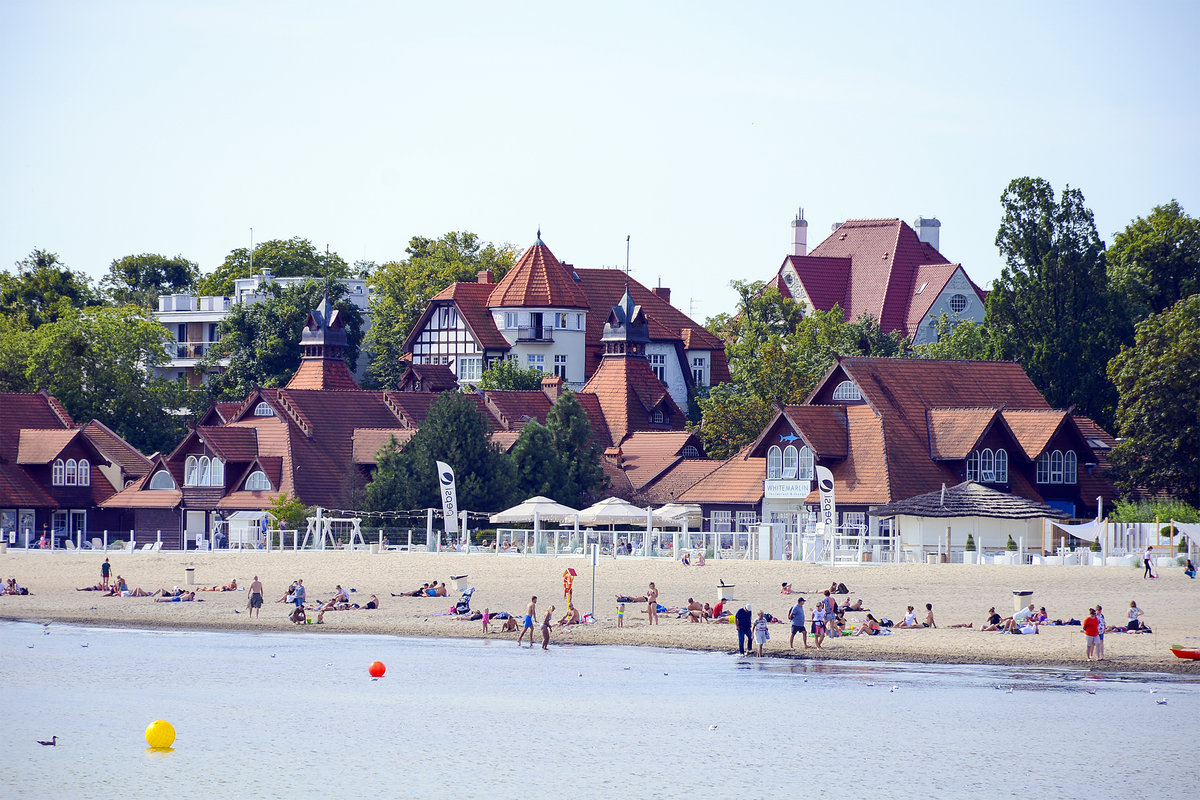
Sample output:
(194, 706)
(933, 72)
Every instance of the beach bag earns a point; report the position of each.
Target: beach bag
(885, 622)
(842, 589)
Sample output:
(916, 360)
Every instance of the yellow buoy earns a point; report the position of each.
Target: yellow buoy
(160, 733)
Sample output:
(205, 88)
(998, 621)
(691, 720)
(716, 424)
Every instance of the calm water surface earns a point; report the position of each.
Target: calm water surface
(296, 715)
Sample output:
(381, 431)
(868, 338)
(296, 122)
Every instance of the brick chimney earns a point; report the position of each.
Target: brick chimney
(552, 387)
(483, 276)
(663, 292)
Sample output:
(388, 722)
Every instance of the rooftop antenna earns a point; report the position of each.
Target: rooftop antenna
(252, 252)
(943, 500)
(626, 254)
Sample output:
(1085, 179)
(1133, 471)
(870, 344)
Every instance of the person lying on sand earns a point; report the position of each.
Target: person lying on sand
(185, 597)
(623, 598)
(422, 592)
(855, 606)
(229, 587)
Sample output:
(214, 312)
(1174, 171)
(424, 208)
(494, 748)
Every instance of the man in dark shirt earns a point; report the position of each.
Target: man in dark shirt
(743, 621)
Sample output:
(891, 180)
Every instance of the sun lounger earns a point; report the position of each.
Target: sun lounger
(68, 544)
(97, 544)
(146, 547)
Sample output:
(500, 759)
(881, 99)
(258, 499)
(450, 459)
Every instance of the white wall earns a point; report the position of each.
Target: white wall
(974, 311)
(989, 533)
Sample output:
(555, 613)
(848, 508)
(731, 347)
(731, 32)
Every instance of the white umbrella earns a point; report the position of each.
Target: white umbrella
(614, 511)
(678, 513)
(544, 508)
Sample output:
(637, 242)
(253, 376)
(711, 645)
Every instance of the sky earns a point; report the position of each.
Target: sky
(696, 129)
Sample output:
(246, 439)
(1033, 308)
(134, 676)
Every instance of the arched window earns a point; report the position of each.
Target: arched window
(791, 462)
(263, 410)
(85, 472)
(71, 473)
(57, 476)
(218, 472)
(846, 390)
(1069, 467)
(691, 451)
(1001, 465)
(774, 463)
(258, 482)
(987, 465)
(202, 472)
(973, 465)
(1043, 468)
(657, 417)
(189, 471)
(805, 472)
(162, 480)
(1056, 467)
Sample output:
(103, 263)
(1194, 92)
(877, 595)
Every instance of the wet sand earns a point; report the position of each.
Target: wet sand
(959, 594)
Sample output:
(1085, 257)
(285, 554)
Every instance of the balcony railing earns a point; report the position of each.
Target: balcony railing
(535, 334)
(196, 350)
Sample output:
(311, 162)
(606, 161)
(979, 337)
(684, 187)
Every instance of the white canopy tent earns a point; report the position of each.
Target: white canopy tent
(615, 511)
(245, 528)
(535, 508)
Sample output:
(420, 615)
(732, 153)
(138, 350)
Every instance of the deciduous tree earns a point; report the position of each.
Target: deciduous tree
(1155, 262)
(42, 290)
(140, 279)
(284, 258)
(1158, 379)
(508, 375)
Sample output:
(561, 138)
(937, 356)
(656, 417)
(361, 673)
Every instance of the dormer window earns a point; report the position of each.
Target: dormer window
(162, 480)
(258, 482)
(774, 463)
(988, 466)
(657, 417)
(203, 471)
(690, 451)
(263, 410)
(791, 462)
(71, 472)
(58, 473)
(846, 390)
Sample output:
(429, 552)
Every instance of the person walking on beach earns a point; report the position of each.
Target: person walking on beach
(1100, 632)
(818, 624)
(1090, 626)
(742, 621)
(105, 571)
(255, 600)
(761, 632)
(1148, 561)
(545, 630)
(530, 614)
(796, 615)
(652, 603)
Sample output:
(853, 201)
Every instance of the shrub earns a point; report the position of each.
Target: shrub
(971, 543)
(1150, 510)
(1096, 545)
(1011, 546)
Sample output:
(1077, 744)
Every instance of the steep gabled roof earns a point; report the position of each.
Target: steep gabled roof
(682, 475)
(116, 449)
(427, 378)
(512, 409)
(323, 373)
(43, 446)
(823, 428)
(369, 441)
(18, 488)
(646, 455)
(231, 443)
(1034, 429)
(34, 411)
(953, 432)
(737, 480)
(930, 280)
(538, 280)
(628, 391)
(471, 301)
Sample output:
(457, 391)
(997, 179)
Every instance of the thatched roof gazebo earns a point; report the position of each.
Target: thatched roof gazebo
(969, 499)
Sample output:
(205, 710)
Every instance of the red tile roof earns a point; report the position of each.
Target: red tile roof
(369, 441)
(1034, 429)
(427, 378)
(822, 427)
(34, 411)
(471, 300)
(646, 455)
(512, 409)
(322, 373)
(628, 390)
(1094, 481)
(538, 280)
(18, 488)
(43, 446)
(953, 432)
(737, 480)
(675, 481)
(117, 449)
(231, 442)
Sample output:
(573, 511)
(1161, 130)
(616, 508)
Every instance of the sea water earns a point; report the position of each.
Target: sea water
(292, 714)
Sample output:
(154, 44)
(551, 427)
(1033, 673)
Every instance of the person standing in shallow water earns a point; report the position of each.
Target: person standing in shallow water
(530, 614)
(255, 600)
(742, 620)
(546, 629)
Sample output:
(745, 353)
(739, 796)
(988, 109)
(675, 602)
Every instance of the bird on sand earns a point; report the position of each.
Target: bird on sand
(53, 741)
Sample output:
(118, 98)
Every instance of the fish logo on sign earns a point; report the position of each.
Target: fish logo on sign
(449, 496)
(791, 437)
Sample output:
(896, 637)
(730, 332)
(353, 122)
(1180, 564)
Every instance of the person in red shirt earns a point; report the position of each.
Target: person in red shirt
(1091, 632)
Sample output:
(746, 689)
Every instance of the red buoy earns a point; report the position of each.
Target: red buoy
(376, 669)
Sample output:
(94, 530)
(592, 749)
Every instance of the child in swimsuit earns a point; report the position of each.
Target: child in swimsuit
(621, 615)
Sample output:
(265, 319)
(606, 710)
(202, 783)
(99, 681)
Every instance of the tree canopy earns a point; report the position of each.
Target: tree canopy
(1051, 309)
(1158, 380)
(285, 258)
(99, 363)
(140, 279)
(262, 340)
(506, 374)
(455, 432)
(1155, 262)
(42, 290)
(960, 340)
(402, 289)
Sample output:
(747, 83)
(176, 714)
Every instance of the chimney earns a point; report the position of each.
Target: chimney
(835, 226)
(552, 387)
(928, 230)
(799, 235)
(483, 276)
(662, 292)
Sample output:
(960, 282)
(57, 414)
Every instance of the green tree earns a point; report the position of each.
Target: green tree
(732, 419)
(285, 258)
(1155, 262)
(455, 432)
(99, 363)
(508, 375)
(961, 340)
(582, 475)
(262, 340)
(402, 289)
(1051, 309)
(290, 513)
(42, 290)
(1158, 381)
(537, 466)
(139, 280)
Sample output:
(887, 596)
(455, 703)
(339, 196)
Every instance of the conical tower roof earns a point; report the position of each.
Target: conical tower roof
(538, 280)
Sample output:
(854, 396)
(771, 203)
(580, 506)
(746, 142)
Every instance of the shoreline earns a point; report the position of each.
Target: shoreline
(959, 594)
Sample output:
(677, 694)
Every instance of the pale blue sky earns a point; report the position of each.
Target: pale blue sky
(696, 128)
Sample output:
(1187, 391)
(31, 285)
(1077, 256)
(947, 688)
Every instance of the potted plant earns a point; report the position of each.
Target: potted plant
(970, 554)
(1097, 553)
(1010, 551)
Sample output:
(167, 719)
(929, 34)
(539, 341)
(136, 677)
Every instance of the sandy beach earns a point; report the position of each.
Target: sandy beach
(959, 594)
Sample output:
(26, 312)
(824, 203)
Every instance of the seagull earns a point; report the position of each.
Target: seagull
(869, 683)
(53, 741)
(894, 688)
(712, 727)
(998, 686)
(272, 655)
(29, 646)
(581, 675)
(1090, 691)
(1153, 691)
(85, 644)
(1162, 701)
(1009, 690)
